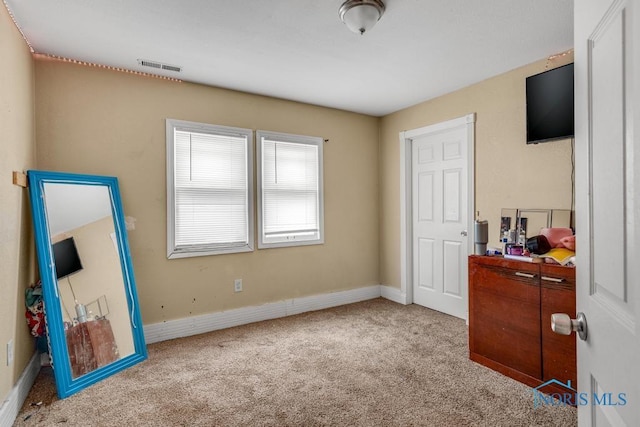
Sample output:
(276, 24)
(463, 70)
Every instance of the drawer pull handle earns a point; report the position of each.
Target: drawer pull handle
(552, 279)
(527, 275)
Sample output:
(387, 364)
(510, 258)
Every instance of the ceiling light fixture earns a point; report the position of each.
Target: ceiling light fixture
(361, 15)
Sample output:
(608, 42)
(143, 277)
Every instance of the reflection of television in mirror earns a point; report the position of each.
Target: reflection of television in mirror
(550, 105)
(66, 258)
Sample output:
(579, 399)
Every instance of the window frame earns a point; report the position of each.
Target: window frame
(294, 139)
(205, 250)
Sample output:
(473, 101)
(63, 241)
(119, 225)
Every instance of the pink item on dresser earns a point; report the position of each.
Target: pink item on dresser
(559, 237)
(569, 242)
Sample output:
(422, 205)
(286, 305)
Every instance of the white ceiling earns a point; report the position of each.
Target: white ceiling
(70, 206)
(300, 50)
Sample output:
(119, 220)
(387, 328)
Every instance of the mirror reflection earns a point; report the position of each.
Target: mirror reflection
(531, 221)
(517, 225)
(89, 278)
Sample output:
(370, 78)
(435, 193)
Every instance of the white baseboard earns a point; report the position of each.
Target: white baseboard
(10, 407)
(393, 294)
(241, 316)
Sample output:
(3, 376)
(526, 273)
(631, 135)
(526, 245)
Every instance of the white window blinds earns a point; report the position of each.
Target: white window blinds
(290, 190)
(211, 191)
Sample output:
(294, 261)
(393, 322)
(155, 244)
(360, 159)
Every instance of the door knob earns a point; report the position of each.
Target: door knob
(463, 233)
(562, 324)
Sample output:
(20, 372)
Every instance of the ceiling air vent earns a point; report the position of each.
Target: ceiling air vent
(171, 68)
(159, 65)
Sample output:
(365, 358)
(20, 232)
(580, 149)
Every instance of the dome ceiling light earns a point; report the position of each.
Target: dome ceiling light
(361, 15)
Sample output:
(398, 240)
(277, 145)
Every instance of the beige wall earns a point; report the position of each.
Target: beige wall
(17, 153)
(96, 121)
(509, 173)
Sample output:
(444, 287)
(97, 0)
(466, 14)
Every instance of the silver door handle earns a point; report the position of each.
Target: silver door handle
(463, 233)
(562, 324)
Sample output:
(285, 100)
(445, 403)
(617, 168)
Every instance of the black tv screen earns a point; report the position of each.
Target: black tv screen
(550, 105)
(66, 258)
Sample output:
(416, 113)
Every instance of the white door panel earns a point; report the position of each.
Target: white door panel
(452, 280)
(608, 210)
(425, 264)
(451, 197)
(426, 200)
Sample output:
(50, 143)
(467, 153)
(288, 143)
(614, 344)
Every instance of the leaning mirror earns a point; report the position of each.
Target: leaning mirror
(91, 306)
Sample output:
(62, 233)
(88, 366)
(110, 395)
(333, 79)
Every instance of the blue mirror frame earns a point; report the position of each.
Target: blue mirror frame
(66, 384)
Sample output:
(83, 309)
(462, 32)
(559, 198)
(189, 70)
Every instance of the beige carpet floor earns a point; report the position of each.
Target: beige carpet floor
(374, 363)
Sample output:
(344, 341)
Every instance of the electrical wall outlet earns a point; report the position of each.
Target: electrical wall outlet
(9, 352)
(237, 285)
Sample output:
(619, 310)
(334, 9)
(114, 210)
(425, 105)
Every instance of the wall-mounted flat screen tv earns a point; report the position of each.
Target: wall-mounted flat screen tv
(65, 256)
(550, 105)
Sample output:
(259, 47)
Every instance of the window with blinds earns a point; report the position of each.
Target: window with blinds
(209, 189)
(290, 200)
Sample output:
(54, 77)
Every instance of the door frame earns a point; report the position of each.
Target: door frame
(406, 218)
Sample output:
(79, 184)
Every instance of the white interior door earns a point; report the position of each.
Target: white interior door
(440, 215)
(607, 36)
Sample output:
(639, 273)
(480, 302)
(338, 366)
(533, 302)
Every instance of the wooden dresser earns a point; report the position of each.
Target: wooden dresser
(510, 307)
(91, 345)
